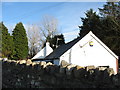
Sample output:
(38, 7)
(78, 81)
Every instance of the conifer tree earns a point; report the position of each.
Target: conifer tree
(0, 39)
(56, 41)
(106, 27)
(7, 42)
(20, 42)
(90, 23)
(111, 25)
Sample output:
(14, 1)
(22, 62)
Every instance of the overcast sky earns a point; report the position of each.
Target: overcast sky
(67, 13)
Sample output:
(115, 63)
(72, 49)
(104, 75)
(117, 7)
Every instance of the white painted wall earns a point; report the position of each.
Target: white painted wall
(44, 52)
(87, 55)
(65, 56)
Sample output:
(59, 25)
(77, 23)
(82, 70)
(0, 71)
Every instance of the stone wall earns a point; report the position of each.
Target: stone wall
(27, 74)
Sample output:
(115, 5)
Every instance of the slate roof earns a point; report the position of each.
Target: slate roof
(62, 49)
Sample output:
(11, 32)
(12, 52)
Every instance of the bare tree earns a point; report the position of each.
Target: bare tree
(49, 26)
(34, 39)
(38, 33)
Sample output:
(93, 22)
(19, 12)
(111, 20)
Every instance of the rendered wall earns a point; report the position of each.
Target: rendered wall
(44, 52)
(84, 55)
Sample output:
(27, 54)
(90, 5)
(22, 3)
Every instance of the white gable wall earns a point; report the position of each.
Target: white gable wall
(40, 54)
(44, 52)
(87, 55)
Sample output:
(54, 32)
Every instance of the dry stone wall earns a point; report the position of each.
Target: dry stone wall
(26, 74)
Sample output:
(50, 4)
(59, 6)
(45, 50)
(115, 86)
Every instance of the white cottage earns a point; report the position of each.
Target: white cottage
(44, 52)
(84, 52)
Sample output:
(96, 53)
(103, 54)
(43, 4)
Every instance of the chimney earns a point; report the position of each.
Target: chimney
(47, 44)
(45, 48)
